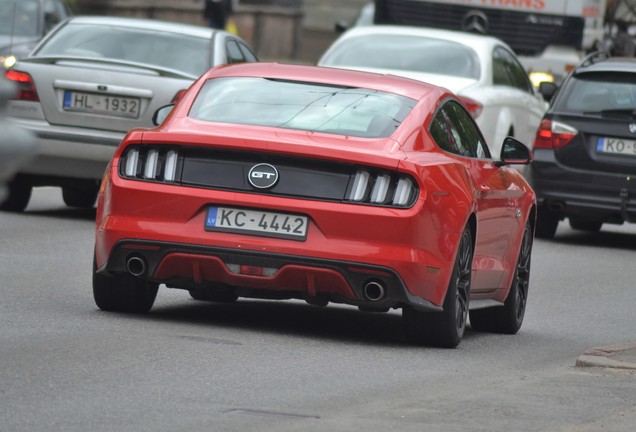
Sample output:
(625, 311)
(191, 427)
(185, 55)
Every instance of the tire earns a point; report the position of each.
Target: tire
(445, 329)
(81, 198)
(547, 223)
(508, 318)
(220, 294)
(18, 196)
(585, 225)
(123, 293)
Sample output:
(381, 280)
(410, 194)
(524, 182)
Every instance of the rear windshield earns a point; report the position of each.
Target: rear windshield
(19, 17)
(408, 53)
(304, 106)
(599, 92)
(156, 48)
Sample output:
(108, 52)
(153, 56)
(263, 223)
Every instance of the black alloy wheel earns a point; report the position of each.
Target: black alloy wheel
(508, 318)
(445, 329)
(123, 292)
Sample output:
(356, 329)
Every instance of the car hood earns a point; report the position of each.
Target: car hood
(455, 84)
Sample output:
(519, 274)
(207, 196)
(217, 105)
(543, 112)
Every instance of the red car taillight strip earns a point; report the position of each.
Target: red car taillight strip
(362, 185)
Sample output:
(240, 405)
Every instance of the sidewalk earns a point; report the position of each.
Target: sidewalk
(609, 356)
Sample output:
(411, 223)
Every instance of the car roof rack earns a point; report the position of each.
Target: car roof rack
(595, 57)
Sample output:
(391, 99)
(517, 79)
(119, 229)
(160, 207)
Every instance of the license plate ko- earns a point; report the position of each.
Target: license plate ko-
(616, 146)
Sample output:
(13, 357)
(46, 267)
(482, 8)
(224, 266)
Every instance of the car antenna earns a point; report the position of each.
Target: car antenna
(15, 4)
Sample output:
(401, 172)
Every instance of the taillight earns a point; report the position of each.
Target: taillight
(384, 188)
(553, 135)
(473, 107)
(179, 96)
(26, 88)
(150, 163)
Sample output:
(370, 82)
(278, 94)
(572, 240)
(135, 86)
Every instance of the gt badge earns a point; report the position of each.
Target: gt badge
(263, 176)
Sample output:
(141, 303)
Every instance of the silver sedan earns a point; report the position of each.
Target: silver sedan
(90, 81)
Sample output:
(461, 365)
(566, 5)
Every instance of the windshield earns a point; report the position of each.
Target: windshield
(301, 105)
(19, 17)
(408, 53)
(599, 93)
(166, 50)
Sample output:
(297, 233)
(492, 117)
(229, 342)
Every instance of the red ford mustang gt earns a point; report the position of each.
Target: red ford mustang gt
(284, 181)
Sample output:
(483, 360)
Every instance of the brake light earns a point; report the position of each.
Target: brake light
(179, 96)
(26, 87)
(382, 188)
(553, 135)
(473, 107)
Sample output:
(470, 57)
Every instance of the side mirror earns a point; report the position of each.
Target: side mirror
(547, 90)
(161, 114)
(515, 152)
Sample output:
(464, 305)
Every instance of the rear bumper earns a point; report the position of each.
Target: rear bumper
(195, 266)
(592, 195)
(68, 152)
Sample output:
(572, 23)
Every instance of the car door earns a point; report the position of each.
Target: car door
(496, 196)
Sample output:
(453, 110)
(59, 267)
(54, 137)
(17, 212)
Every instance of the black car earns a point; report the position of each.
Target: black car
(584, 165)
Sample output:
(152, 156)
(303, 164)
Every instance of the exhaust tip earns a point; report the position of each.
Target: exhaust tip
(374, 290)
(136, 265)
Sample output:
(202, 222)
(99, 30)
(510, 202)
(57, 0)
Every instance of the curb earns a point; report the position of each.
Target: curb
(609, 356)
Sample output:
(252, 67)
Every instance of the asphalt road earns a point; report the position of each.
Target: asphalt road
(287, 366)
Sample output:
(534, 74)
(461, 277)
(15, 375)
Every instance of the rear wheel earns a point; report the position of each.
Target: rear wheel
(19, 194)
(547, 223)
(82, 198)
(445, 329)
(585, 225)
(122, 292)
(508, 319)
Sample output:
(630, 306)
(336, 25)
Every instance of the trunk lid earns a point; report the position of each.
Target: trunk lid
(104, 95)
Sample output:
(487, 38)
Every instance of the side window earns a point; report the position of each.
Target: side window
(441, 132)
(518, 76)
(499, 70)
(233, 51)
(247, 53)
(454, 130)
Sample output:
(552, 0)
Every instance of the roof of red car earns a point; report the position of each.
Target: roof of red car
(389, 83)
